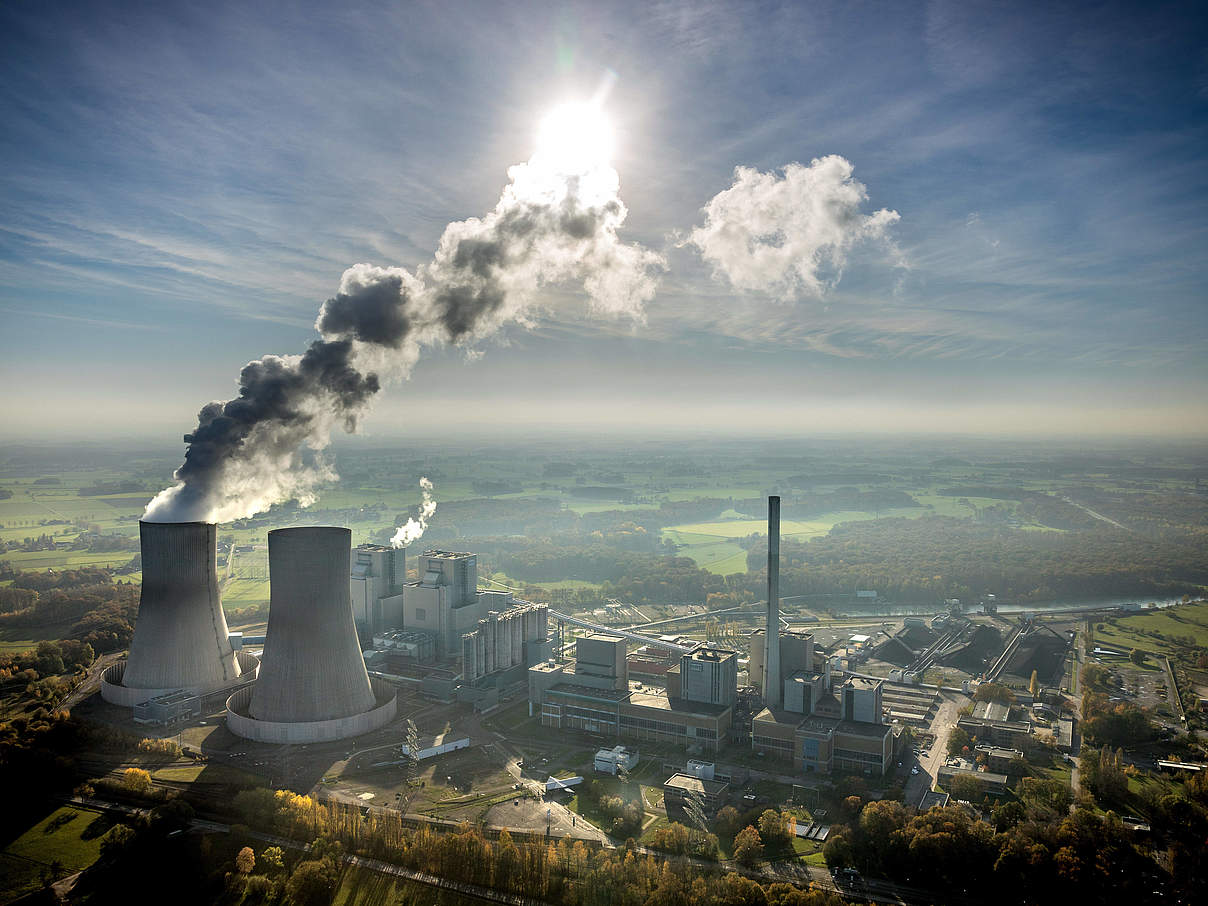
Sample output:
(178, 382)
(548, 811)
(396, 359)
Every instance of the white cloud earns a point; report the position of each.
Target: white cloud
(788, 235)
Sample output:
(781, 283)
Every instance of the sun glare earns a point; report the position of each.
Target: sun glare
(575, 138)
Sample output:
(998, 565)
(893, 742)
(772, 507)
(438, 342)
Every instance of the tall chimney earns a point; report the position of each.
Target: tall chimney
(773, 682)
(180, 636)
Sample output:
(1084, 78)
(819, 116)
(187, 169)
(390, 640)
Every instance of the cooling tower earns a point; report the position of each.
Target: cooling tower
(180, 636)
(773, 683)
(313, 685)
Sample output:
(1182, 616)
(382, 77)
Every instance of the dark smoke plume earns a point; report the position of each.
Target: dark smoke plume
(550, 227)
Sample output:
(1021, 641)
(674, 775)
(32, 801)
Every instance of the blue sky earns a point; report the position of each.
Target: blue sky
(182, 185)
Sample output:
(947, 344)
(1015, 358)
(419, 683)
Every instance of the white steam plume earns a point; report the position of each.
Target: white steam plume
(556, 222)
(416, 527)
(790, 234)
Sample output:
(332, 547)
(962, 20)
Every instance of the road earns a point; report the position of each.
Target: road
(929, 766)
(1095, 515)
(91, 681)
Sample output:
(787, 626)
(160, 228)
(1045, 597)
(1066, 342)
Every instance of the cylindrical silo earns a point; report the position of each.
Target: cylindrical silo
(180, 636)
(312, 668)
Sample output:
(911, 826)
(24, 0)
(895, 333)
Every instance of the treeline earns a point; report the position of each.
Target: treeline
(937, 557)
(1032, 854)
(103, 488)
(1146, 511)
(86, 603)
(567, 872)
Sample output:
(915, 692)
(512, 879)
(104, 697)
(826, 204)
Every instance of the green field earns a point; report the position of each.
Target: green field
(712, 544)
(70, 836)
(1181, 622)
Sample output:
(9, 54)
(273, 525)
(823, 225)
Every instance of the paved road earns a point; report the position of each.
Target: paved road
(91, 681)
(929, 767)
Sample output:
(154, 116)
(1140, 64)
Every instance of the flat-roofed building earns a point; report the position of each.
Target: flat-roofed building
(997, 758)
(709, 675)
(861, 699)
(375, 584)
(862, 747)
(600, 660)
(1014, 734)
(803, 690)
(823, 744)
(678, 787)
(995, 784)
(993, 711)
(618, 758)
(649, 716)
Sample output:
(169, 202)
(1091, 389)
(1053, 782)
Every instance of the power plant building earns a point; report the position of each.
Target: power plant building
(446, 601)
(710, 675)
(796, 654)
(594, 695)
(375, 584)
(313, 686)
(505, 640)
(181, 642)
(834, 734)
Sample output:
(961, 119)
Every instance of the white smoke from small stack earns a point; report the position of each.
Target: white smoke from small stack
(416, 527)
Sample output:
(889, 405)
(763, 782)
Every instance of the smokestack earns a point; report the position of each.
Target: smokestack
(312, 668)
(180, 636)
(773, 682)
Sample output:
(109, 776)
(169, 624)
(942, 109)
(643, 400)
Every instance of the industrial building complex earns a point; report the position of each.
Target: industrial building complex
(347, 624)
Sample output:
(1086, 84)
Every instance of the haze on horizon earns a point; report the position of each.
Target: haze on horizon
(182, 188)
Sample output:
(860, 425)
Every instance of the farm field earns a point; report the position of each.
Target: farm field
(1131, 631)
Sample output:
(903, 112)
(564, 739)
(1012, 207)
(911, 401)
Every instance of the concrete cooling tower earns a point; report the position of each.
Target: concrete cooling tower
(180, 636)
(313, 685)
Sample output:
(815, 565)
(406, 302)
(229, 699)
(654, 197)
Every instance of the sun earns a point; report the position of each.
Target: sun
(575, 138)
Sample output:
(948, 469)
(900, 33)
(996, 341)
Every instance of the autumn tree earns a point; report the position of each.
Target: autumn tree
(748, 846)
(774, 828)
(245, 861)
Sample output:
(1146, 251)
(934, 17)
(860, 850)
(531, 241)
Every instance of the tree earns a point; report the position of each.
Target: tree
(136, 780)
(1137, 656)
(313, 883)
(1034, 684)
(773, 828)
(727, 822)
(994, 692)
(116, 840)
(748, 847)
(962, 786)
(245, 861)
(958, 741)
(273, 857)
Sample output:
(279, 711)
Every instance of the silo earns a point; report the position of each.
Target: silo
(312, 666)
(180, 636)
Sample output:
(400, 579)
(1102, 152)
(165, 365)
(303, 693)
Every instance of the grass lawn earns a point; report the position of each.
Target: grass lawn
(207, 773)
(69, 835)
(362, 887)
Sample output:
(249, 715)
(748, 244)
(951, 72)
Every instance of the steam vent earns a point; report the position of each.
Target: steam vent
(180, 636)
(313, 686)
